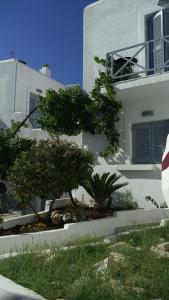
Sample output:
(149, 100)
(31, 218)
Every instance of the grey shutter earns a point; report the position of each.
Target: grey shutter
(141, 142)
(158, 44)
(150, 46)
(166, 34)
(160, 131)
(32, 101)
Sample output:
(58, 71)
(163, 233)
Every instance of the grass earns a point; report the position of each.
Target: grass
(70, 274)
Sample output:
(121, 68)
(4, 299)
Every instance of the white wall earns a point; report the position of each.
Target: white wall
(29, 80)
(111, 25)
(7, 91)
(17, 80)
(75, 231)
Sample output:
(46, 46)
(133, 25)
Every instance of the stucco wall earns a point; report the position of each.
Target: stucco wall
(16, 82)
(75, 231)
(29, 80)
(111, 25)
(7, 91)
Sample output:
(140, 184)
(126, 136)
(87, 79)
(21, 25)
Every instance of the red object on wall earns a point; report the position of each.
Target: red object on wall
(165, 162)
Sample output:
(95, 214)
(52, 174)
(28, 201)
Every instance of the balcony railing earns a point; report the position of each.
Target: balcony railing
(142, 59)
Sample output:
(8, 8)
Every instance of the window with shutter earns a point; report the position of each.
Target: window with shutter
(158, 43)
(150, 46)
(33, 102)
(157, 27)
(160, 131)
(148, 140)
(166, 34)
(141, 143)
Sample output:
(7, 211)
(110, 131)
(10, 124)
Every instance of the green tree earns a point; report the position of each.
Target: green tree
(106, 108)
(72, 111)
(48, 169)
(11, 145)
(66, 112)
(10, 149)
(101, 188)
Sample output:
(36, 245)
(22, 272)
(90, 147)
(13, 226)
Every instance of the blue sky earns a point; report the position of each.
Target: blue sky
(45, 31)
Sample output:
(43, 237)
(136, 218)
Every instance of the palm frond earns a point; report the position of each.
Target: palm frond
(101, 187)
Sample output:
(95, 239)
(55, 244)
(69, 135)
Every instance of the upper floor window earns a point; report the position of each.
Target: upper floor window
(157, 29)
(148, 141)
(33, 102)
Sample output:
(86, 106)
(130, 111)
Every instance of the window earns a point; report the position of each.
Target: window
(33, 102)
(157, 27)
(148, 142)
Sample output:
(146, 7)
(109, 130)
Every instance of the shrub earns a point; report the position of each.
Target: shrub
(128, 201)
(154, 202)
(49, 169)
(101, 188)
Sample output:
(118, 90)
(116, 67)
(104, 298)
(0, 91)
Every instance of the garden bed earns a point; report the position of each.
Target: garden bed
(72, 214)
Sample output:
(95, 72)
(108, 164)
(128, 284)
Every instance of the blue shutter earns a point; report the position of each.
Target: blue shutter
(160, 131)
(148, 141)
(141, 141)
(158, 44)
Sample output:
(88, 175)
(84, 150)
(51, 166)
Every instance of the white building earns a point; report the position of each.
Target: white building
(20, 87)
(134, 33)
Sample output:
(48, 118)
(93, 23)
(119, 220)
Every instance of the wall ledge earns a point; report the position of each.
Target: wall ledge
(147, 167)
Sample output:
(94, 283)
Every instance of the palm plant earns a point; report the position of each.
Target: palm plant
(101, 188)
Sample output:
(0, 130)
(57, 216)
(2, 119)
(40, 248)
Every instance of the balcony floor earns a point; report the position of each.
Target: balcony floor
(156, 84)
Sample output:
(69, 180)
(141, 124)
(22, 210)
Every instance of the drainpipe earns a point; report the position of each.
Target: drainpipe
(15, 82)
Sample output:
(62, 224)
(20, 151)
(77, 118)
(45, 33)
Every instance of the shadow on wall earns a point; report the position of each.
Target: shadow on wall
(124, 200)
(142, 174)
(96, 144)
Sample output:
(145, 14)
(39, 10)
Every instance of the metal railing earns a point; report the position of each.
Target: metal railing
(145, 58)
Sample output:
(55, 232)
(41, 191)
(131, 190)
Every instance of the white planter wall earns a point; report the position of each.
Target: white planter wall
(75, 231)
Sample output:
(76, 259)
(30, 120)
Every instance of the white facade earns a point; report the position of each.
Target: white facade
(17, 82)
(110, 25)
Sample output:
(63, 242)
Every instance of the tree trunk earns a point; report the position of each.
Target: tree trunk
(51, 206)
(35, 212)
(109, 202)
(21, 124)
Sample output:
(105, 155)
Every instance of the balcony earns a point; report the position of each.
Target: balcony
(140, 60)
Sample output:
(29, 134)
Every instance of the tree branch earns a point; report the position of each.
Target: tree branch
(21, 124)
